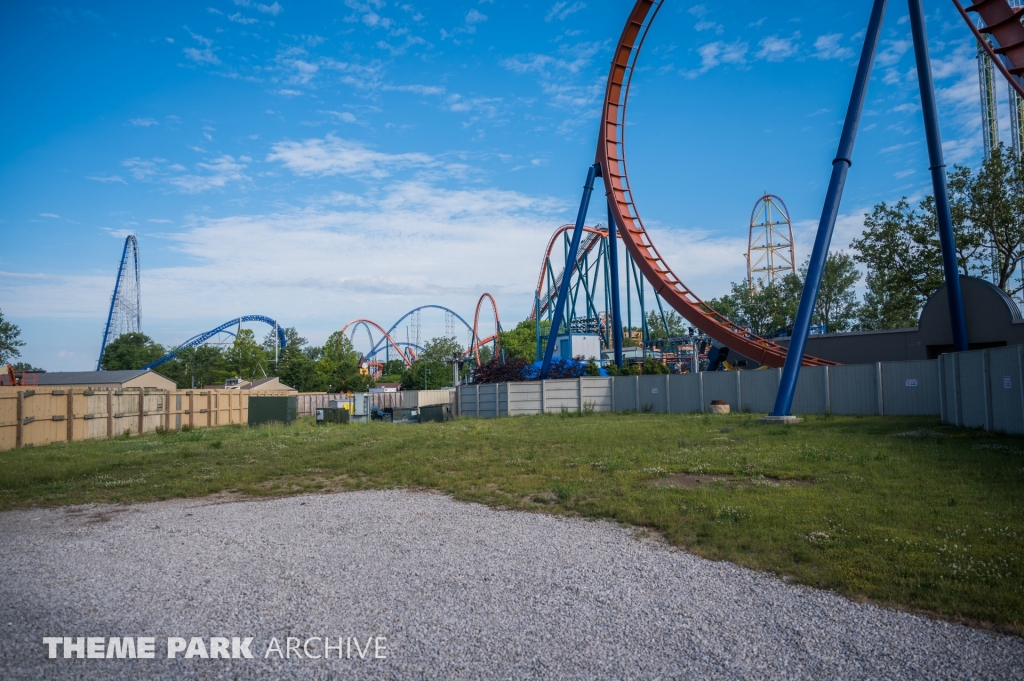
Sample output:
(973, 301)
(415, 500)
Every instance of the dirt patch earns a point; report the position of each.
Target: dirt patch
(691, 481)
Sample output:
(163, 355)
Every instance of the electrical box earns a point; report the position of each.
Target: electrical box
(436, 412)
(276, 409)
(331, 415)
(360, 407)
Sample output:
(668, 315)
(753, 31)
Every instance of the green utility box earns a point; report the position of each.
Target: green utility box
(266, 409)
(331, 415)
(436, 412)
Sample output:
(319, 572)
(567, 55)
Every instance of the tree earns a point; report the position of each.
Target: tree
(297, 370)
(996, 210)
(291, 336)
(246, 357)
(338, 366)
(886, 306)
(197, 367)
(430, 370)
(130, 351)
(656, 326)
(10, 340)
(521, 342)
(767, 310)
(26, 367)
(836, 306)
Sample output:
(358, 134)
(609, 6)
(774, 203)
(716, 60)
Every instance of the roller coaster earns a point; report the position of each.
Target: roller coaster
(1001, 22)
(125, 314)
(223, 328)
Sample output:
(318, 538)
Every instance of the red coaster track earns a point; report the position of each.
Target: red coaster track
(611, 156)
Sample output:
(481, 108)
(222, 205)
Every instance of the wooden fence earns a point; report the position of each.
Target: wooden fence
(31, 417)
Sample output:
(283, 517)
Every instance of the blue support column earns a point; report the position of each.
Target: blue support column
(570, 264)
(840, 166)
(938, 170)
(536, 317)
(613, 266)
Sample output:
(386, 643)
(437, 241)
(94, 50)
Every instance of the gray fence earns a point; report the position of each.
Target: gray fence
(984, 389)
(887, 388)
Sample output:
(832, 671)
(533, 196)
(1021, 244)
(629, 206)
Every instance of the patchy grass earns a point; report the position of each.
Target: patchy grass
(902, 511)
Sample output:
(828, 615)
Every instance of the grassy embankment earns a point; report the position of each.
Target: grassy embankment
(902, 511)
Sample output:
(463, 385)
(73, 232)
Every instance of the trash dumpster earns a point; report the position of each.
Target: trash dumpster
(331, 415)
(436, 412)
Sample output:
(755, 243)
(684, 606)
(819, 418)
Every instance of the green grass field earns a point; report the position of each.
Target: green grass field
(901, 511)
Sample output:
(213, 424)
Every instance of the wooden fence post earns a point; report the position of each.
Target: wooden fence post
(19, 437)
(110, 413)
(209, 408)
(70, 415)
(191, 408)
(142, 411)
(167, 410)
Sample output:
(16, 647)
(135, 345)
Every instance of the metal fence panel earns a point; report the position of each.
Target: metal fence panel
(1005, 387)
(811, 394)
(488, 400)
(759, 388)
(722, 385)
(597, 393)
(684, 393)
(654, 393)
(911, 388)
(973, 388)
(625, 388)
(853, 389)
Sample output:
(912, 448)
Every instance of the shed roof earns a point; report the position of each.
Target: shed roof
(89, 377)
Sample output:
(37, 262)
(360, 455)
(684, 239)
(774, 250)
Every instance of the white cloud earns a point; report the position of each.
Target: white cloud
(239, 19)
(335, 156)
(219, 173)
(48, 215)
(774, 48)
(561, 10)
(143, 122)
(203, 56)
(828, 47)
(474, 16)
(108, 178)
(418, 89)
(719, 52)
(274, 9)
(893, 52)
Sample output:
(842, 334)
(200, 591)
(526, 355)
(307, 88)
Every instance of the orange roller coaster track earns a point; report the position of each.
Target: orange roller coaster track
(611, 157)
(477, 343)
(593, 238)
(405, 358)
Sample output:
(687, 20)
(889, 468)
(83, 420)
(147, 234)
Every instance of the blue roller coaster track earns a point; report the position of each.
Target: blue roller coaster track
(380, 344)
(203, 337)
(125, 314)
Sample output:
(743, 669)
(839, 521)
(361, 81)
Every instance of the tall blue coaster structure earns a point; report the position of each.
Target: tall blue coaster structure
(125, 315)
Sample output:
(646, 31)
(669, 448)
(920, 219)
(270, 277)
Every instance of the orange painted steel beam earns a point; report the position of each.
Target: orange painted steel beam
(1002, 22)
(611, 155)
(405, 358)
(476, 326)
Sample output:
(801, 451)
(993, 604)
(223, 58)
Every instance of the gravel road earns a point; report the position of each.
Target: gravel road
(453, 591)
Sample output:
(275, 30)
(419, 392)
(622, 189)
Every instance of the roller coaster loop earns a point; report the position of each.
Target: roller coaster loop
(386, 337)
(377, 347)
(476, 325)
(203, 337)
(611, 162)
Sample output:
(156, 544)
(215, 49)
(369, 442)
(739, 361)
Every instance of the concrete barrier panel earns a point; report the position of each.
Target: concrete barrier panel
(625, 388)
(597, 392)
(524, 398)
(853, 389)
(722, 385)
(1005, 389)
(910, 388)
(561, 394)
(684, 393)
(654, 393)
(973, 388)
(759, 388)
(811, 394)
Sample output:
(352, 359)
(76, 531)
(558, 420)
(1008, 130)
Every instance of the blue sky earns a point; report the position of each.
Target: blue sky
(317, 162)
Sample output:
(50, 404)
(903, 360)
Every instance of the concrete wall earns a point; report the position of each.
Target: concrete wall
(983, 389)
(886, 388)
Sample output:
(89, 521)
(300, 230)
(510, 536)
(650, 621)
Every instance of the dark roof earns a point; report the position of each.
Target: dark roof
(260, 381)
(88, 377)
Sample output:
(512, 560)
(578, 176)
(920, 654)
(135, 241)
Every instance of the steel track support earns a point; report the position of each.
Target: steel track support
(840, 167)
(938, 170)
(613, 268)
(570, 264)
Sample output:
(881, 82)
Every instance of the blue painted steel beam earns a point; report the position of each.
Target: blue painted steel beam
(938, 171)
(840, 166)
(207, 335)
(613, 267)
(570, 265)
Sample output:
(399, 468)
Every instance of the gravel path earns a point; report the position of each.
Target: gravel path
(457, 590)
